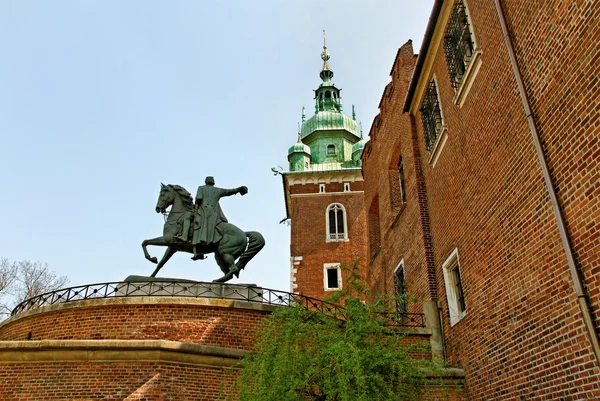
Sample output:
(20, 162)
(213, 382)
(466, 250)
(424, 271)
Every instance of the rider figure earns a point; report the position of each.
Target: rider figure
(208, 215)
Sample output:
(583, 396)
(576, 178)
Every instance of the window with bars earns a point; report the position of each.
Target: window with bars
(336, 223)
(431, 115)
(458, 43)
(400, 289)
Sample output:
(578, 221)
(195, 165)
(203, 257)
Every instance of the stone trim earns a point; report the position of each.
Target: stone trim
(120, 301)
(12, 352)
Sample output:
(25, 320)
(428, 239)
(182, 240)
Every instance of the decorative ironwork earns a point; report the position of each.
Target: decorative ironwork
(191, 290)
(404, 319)
(458, 44)
(431, 115)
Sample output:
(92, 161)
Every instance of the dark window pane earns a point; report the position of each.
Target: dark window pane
(332, 222)
(400, 287)
(340, 221)
(459, 291)
(332, 278)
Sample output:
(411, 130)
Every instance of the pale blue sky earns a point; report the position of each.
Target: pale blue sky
(101, 101)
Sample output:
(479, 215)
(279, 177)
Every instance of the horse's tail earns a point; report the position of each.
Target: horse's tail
(256, 242)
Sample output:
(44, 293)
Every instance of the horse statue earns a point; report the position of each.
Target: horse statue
(235, 244)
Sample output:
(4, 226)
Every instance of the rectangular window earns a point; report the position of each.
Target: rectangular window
(346, 187)
(455, 295)
(400, 289)
(401, 179)
(431, 115)
(321, 188)
(332, 276)
(458, 44)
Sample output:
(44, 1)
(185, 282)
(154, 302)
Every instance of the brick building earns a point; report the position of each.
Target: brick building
(324, 194)
(482, 192)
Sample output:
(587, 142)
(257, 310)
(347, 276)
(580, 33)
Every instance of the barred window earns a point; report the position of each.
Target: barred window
(336, 223)
(431, 114)
(458, 43)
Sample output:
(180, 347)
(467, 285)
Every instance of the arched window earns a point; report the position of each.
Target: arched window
(337, 229)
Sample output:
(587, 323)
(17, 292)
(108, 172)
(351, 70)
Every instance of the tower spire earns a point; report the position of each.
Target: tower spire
(326, 73)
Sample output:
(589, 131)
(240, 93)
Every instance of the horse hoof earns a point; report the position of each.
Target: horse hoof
(153, 259)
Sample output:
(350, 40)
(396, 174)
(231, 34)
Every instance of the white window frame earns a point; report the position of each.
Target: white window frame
(321, 188)
(327, 266)
(451, 264)
(346, 187)
(338, 237)
(473, 63)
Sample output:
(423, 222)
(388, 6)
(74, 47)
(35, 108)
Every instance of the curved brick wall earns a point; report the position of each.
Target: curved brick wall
(140, 348)
(212, 322)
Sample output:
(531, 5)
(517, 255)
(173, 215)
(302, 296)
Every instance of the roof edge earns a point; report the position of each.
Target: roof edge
(435, 13)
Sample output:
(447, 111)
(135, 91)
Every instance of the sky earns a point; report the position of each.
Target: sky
(102, 100)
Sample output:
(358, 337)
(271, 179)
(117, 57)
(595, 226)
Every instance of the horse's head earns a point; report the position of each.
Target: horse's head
(165, 198)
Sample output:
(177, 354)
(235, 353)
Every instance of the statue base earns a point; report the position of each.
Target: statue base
(174, 287)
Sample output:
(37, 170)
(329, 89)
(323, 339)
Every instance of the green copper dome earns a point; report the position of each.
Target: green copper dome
(358, 146)
(329, 120)
(299, 147)
(329, 140)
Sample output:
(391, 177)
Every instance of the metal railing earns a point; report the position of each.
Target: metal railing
(192, 290)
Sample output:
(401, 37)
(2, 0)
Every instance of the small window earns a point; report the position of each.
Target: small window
(332, 276)
(321, 188)
(336, 223)
(327, 95)
(400, 289)
(401, 180)
(431, 115)
(346, 187)
(306, 164)
(330, 150)
(457, 306)
(458, 44)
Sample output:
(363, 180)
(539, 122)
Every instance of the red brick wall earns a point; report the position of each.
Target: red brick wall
(308, 234)
(214, 326)
(522, 336)
(111, 381)
(401, 226)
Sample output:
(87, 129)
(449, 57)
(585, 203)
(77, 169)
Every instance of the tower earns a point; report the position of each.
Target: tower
(324, 194)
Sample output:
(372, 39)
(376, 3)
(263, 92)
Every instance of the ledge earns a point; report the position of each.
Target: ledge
(468, 78)
(438, 146)
(117, 350)
(121, 301)
(400, 210)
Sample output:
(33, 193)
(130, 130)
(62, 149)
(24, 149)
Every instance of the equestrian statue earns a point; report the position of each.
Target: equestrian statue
(201, 227)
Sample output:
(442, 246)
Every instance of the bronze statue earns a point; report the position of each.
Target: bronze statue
(208, 215)
(212, 232)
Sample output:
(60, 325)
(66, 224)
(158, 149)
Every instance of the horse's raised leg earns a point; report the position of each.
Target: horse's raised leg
(226, 262)
(158, 241)
(168, 253)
